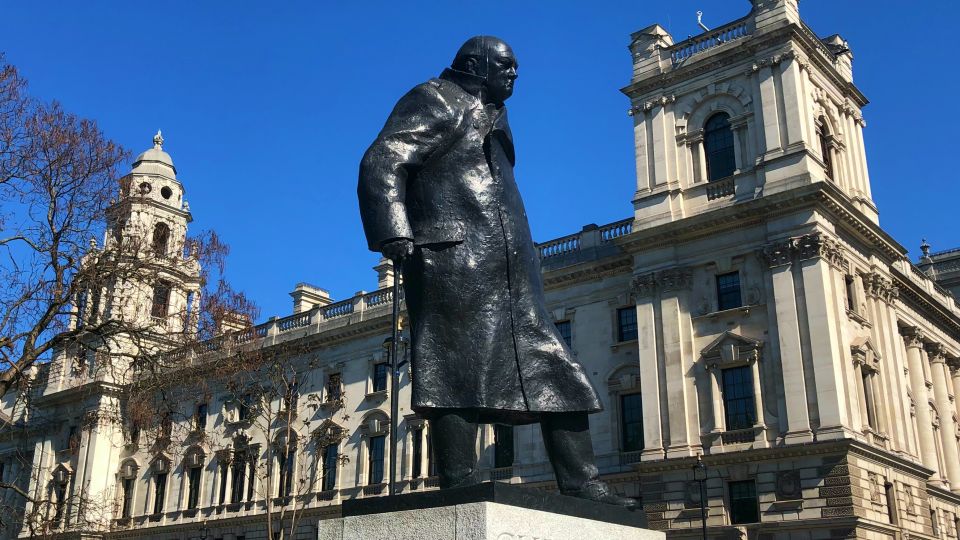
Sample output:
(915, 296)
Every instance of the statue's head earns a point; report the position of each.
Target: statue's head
(492, 60)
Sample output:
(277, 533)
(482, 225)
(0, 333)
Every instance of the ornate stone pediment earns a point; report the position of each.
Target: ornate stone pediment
(329, 432)
(731, 349)
(864, 353)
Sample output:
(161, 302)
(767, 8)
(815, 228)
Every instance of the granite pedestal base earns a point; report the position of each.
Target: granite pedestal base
(489, 511)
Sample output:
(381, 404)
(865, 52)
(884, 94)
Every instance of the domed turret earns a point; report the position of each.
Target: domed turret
(155, 160)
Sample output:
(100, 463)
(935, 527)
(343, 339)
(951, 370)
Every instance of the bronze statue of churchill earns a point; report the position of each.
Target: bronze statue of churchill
(437, 192)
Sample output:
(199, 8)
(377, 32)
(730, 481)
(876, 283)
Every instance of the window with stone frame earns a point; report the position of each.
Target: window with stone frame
(823, 138)
(866, 365)
(160, 471)
(161, 300)
(62, 477)
(330, 455)
(285, 452)
(631, 422)
(738, 398)
(193, 468)
(718, 146)
(627, 324)
(416, 450)
(566, 332)
(744, 505)
(127, 479)
(728, 291)
(373, 431)
(381, 374)
(334, 387)
(161, 239)
(200, 416)
(732, 365)
(375, 457)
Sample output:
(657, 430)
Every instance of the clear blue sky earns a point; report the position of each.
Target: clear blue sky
(267, 107)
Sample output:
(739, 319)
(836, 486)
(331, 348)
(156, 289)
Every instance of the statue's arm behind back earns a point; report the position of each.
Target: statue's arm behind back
(418, 126)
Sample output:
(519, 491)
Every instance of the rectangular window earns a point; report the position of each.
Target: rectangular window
(334, 386)
(61, 501)
(565, 332)
(738, 399)
(161, 300)
(417, 453)
(375, 465)
(631, 422)
(223, 483)
(193, 487)
(744, 507)
(891, 503)
(330, 457)
(431, 463)
(237, 471)
(159, 492)
(200, 417)
(286, 463)
(380, 372)
(127, 505)
(243, 407)
(728, 291)
(851, 293)
(503, 446)
(626, 324)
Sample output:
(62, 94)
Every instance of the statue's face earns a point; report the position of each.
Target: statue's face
(501, 72)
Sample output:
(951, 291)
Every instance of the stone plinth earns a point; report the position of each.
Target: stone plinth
(489, 511)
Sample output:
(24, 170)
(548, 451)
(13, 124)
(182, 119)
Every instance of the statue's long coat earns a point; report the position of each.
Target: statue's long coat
(441, 174)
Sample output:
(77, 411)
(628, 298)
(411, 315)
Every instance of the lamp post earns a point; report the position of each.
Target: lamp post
(390, 345)
(700, 475)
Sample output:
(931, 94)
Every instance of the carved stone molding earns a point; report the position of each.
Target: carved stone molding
(778, 253)
(671, 279)
(731, 349)
(935, 353)
(878, 286)
(912, 337)
(808, 246)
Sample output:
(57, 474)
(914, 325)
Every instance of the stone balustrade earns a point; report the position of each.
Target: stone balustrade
(591, 235)
(682, 51)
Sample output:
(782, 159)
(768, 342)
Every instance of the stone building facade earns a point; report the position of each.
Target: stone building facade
(751, 315)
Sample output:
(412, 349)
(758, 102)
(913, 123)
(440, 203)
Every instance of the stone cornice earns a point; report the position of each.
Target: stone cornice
(913, 295)
(592, 270)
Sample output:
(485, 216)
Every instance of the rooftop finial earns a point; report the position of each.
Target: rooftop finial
(925, 251)
(158, 141)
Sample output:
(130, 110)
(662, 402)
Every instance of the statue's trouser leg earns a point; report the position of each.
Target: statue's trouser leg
(454, 437)
(567, 439)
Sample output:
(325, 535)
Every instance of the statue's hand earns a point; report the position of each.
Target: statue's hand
(397, 250)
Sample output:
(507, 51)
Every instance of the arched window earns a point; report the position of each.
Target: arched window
(374, 431)
(193, 467)
(285, 450)
(127, 477)
(823, 136)
(327, 438)
(161, 237)
(718, 147)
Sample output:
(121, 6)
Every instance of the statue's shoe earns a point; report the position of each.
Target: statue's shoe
(598, 491)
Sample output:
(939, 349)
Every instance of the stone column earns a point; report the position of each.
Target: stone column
(954, 366)
(913, 340)
(938, 368)
(864, 415)
(699, 157)
(780, 258)
(662, 137)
